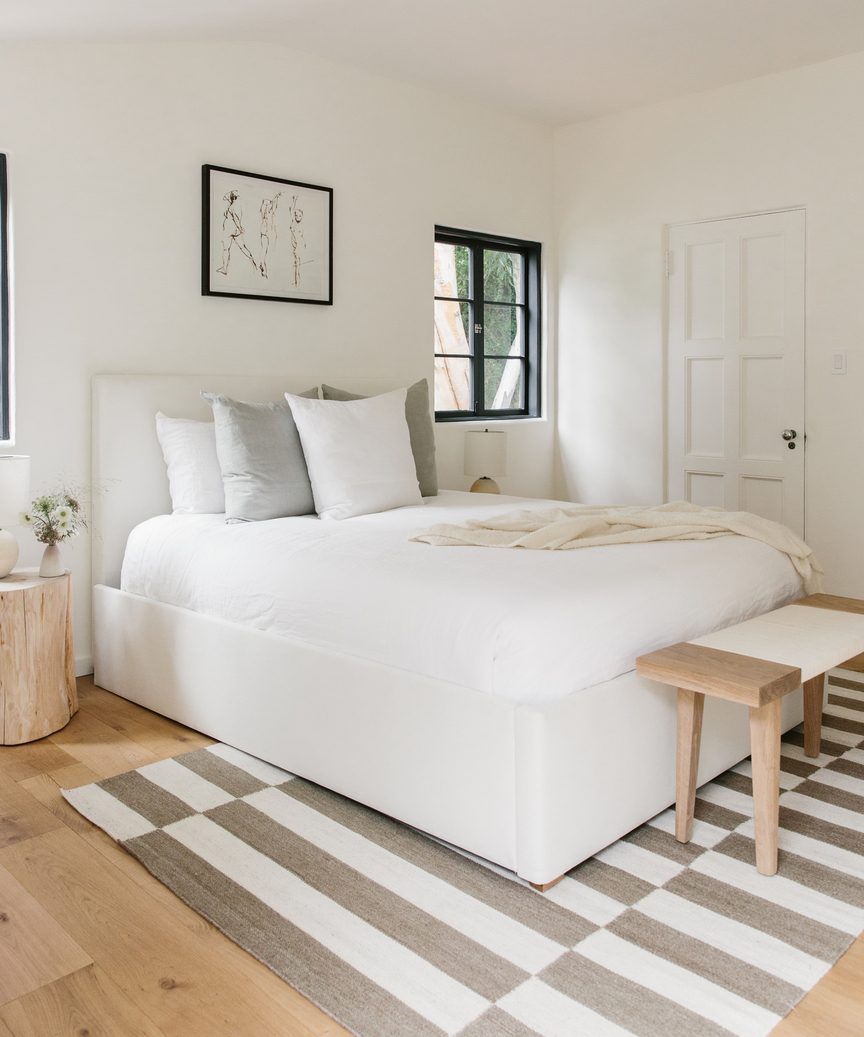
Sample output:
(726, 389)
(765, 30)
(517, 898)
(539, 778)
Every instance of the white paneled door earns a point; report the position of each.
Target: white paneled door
(736, 365)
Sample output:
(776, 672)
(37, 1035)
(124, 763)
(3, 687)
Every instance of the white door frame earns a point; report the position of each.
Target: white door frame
(667, 229)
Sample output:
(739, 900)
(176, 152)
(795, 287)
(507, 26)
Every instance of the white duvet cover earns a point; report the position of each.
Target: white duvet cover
(526, 625)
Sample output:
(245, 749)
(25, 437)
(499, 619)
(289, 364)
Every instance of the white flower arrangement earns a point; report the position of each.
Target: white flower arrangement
(55, 517)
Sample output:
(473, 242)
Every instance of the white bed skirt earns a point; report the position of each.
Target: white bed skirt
(536, 789)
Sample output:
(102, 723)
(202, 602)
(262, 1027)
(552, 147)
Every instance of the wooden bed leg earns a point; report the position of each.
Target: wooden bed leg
(541, 887)
(814, 697)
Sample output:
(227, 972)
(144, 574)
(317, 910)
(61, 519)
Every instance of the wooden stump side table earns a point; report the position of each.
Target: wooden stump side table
(37, 667)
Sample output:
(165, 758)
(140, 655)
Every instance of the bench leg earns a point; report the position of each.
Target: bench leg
(765, 757)
(690, 707)
(814, 698)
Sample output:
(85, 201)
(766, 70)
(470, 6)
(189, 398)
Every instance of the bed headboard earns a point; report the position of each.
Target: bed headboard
(129, 480)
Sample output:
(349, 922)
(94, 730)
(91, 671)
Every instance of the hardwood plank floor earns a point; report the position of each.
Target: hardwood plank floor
(21, 817)
(34, 949)
(103, 948)
(181, 978)
(86, 1002)
(26, 761)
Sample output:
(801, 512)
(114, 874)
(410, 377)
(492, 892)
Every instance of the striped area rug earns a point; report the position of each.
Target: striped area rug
(396, 935)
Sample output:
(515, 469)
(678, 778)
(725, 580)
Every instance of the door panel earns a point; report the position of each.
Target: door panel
(706, 297)
(763, 285)
(762, 408)
(707, 489)
(735, 365)
(705, 406)
(762, 496)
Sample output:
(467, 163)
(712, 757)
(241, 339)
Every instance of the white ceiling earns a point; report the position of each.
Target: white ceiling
(552, 60)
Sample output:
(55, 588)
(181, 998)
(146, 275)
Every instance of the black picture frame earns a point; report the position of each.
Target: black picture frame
(252, 249)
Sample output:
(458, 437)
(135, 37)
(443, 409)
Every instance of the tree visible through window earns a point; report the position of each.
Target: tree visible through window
(4, 303)
(487, 326)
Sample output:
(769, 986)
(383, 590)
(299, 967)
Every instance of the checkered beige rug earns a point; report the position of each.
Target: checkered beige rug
(396, 935)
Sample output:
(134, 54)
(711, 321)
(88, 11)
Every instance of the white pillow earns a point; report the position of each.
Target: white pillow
(194, 475)
(358, 454)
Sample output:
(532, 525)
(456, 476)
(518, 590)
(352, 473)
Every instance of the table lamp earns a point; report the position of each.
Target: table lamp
(486, 457)
(14, 498)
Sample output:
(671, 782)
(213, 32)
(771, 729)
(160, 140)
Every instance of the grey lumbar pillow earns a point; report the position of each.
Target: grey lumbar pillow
(263, 468)
(420, 429)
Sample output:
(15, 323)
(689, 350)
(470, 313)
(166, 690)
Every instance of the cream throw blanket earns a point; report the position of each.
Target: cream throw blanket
(565, 529)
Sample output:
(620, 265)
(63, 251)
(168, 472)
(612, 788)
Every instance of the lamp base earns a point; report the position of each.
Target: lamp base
(8, 552)
(485, 485)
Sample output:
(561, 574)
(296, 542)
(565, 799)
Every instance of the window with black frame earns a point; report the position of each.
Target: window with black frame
(4, 302)
(487, 326)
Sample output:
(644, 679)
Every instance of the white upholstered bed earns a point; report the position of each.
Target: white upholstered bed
(484, 696)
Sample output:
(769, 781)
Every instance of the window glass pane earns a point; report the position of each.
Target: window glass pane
(453, 383)
(503, 386)
(502, 276)
(452, 270)
(452, 327)
(502, 331)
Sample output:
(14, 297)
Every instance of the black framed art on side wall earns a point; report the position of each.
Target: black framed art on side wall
(265, 237)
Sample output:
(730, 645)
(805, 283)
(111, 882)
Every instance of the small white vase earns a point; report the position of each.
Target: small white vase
(8, 552)
(52, 563)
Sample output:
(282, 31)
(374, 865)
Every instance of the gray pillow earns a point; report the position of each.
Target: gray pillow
(420, 429)
(263, 467)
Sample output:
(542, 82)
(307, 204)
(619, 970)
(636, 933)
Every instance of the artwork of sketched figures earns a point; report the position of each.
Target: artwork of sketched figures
(298, 241)
(269, 232)
(234, 233)
(266, 238)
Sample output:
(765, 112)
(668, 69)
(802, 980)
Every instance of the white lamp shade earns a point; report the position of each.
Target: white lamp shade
(14, 488)
(486, 453)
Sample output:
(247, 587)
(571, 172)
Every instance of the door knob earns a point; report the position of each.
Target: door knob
(789, 434)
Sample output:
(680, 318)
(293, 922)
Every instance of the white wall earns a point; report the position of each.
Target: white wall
(785, 140)
(105, 145)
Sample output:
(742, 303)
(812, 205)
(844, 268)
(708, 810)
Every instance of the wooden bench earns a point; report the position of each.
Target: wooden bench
(756, 663)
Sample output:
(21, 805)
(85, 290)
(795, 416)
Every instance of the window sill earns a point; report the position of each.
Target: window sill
(516, 419)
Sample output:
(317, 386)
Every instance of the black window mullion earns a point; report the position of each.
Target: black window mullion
(478, 366)
(533, 318)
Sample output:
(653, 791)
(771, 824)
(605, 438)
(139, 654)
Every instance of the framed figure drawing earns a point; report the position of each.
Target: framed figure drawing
(266, 238)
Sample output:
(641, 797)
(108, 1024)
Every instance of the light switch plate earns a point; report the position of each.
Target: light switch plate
(838, 363)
